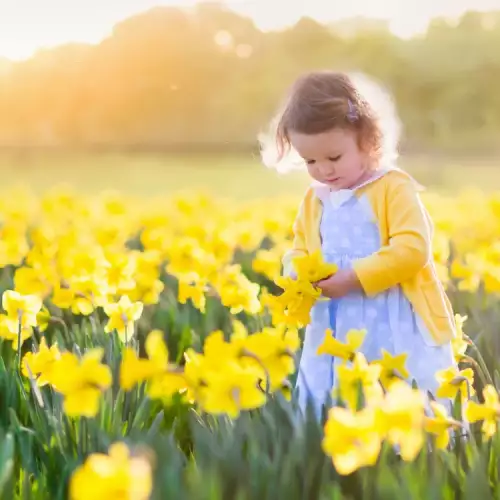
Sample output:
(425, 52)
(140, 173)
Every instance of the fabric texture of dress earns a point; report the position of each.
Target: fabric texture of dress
(349, 231)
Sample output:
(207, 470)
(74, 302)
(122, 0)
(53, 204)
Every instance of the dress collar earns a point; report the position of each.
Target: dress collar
(339, 197)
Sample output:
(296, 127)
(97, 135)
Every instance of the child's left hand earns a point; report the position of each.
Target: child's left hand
(339, 285)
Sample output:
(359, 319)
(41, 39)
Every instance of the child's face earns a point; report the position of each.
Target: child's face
(333, 157)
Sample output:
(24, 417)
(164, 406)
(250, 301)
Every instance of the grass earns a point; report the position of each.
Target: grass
(236, 176)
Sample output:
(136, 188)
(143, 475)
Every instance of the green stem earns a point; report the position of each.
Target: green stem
(482, 371)
(60, 321)
(480, 359)
(248, 354)
(19, 336)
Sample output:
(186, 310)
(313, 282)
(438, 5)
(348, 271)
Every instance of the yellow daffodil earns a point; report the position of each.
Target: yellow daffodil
(6, 332)
(186, 256)
(352, 439)
(230, 390)
(312, 268)
(393, 368)
(168, 379)
(439, 425)
(469, 278)
(356, 377)
(43, 319)
(194, 288)
(267, 263)
(30, 281)
(148, 285)
(21, 310)
(115, 476)
(401, 415)
(119, 275)
(453, 382)
(63, 297)
(217, 350)
(294, 305)
(236, 291)
(228, 378)
(40, 365)
(164, 379)
(488, 412)
(272, 350)
(239, 329)
(134, 370)
(122, 317)
(13, 244)
(83, 262)
(89, 293)
(147, 265)
(458, 343)
(81, 382)
(337, 349)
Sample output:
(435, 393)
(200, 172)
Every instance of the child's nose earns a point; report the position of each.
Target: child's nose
(327, 166)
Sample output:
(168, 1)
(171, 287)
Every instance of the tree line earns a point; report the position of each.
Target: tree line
(208, 78)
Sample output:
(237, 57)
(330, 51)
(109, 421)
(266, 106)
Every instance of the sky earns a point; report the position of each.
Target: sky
(28, 25)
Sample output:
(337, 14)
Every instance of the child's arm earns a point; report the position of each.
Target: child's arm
(409, 247)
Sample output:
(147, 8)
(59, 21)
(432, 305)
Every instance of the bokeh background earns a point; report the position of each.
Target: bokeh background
(151, 96)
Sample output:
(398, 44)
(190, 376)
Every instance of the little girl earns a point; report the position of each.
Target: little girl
(368, 219)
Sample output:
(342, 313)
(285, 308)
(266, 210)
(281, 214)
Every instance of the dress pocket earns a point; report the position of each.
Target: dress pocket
(442, 324)
(434, 295)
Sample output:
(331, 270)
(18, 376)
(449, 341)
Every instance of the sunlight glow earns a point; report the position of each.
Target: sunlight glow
(30, 25)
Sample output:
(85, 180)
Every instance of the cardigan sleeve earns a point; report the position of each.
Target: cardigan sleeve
(409, 245)
(298, 243)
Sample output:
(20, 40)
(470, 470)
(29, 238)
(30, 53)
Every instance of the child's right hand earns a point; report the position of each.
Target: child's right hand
(340, 284)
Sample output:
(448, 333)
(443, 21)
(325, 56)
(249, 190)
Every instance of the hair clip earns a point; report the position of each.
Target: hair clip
(352, 113)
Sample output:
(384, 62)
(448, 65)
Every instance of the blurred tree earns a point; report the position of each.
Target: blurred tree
(208, 77)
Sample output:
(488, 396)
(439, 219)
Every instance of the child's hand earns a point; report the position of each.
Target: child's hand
(339, 285)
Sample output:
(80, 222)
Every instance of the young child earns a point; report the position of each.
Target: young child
(368, 219)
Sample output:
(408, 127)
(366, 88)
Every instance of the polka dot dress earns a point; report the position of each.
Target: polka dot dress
(349, 231)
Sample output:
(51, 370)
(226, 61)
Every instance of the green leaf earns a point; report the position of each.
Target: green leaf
(7, 447)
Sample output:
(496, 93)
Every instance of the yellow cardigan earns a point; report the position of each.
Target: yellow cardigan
(405, 256)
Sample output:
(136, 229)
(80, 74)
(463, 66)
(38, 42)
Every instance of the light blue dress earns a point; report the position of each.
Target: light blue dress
(349, 231)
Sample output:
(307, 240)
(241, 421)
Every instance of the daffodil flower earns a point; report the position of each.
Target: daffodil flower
(312, 268)
(453, 382)
(488, 412)
(293, 306)
(440, 424)
(359, 376)
(122, 317)
(337, 349)
(274, 348)
(164, 379)
(80, 381)
(20, 318)
(267, 263)
(458, 343)
(116, 475)
(236, 291)
(21, 310)
(352, 439)
(402, 417)
(393, 368)
(40, 365)
(230, 390)
(194, 288)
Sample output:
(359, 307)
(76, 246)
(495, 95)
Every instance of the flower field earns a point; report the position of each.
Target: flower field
(149, 348)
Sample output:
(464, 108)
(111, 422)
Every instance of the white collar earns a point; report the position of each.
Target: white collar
(324, 193)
